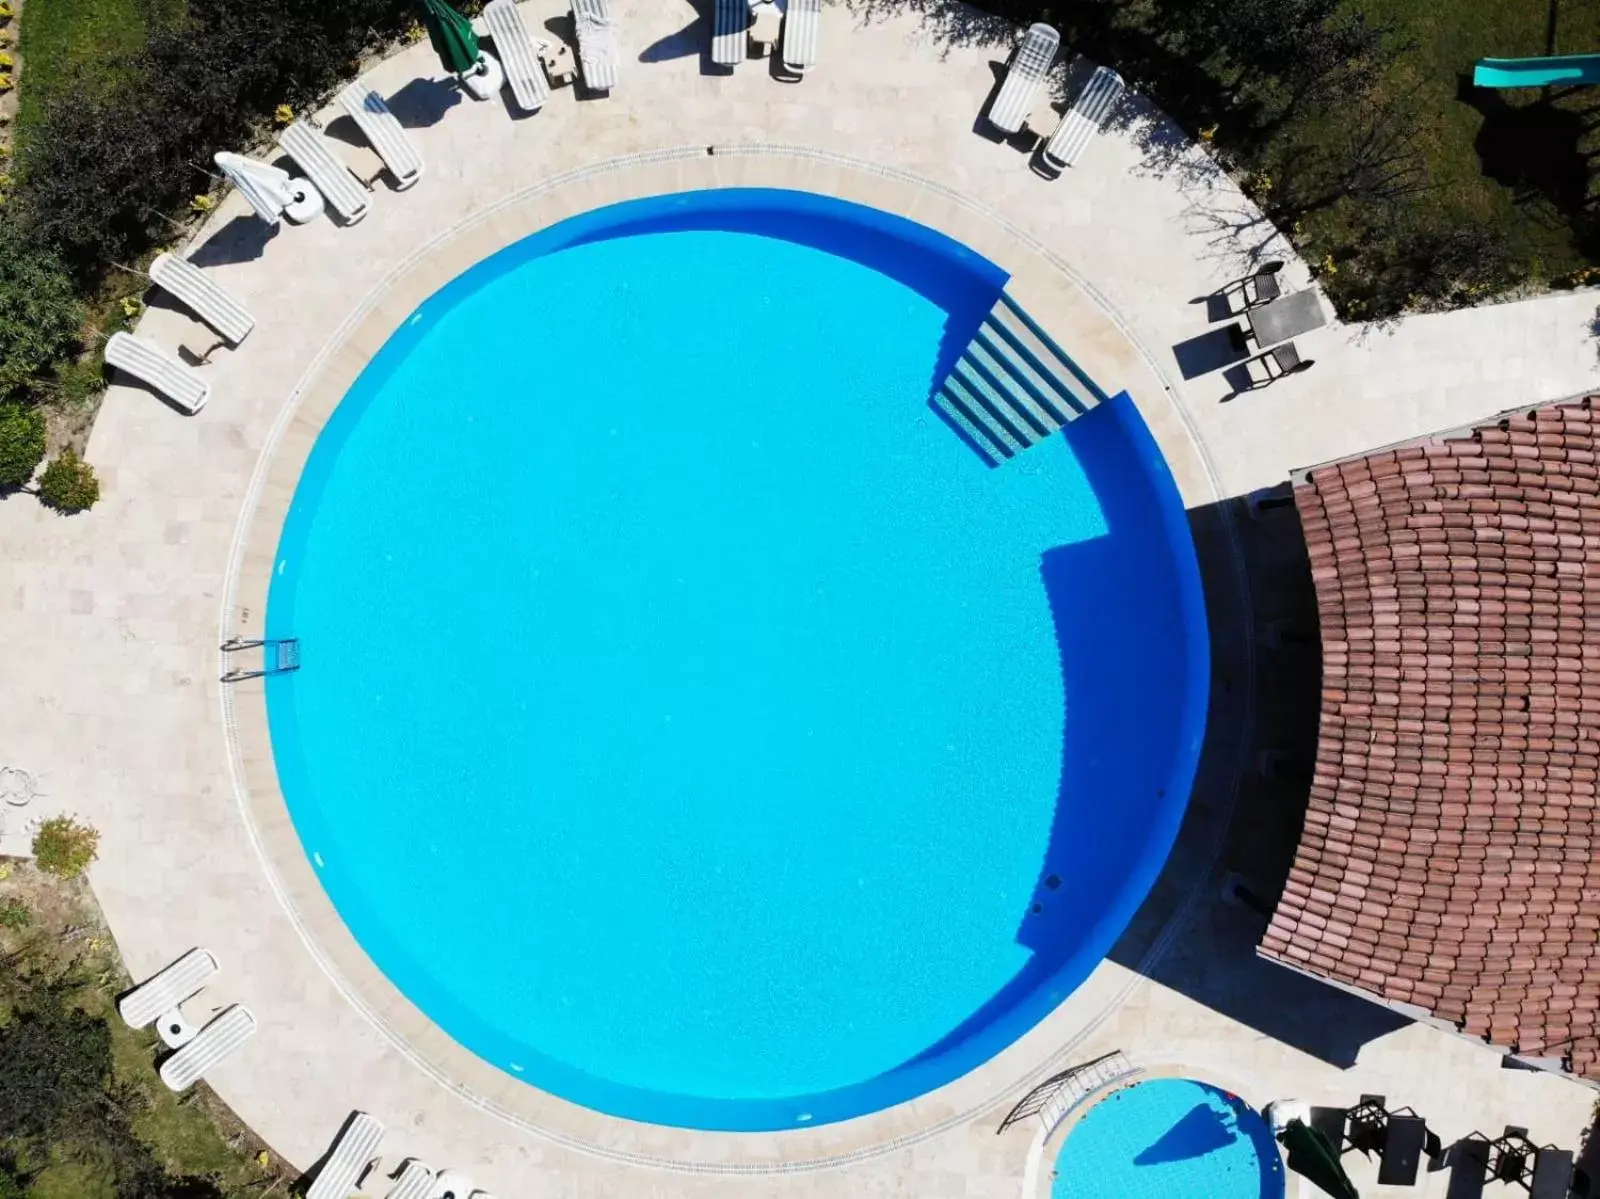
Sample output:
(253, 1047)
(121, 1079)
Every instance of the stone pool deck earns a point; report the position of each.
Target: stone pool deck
(114, 617)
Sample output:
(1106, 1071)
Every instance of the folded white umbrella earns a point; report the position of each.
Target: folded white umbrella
(269, 190)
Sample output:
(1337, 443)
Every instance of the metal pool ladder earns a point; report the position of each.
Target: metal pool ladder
(1057, 1095)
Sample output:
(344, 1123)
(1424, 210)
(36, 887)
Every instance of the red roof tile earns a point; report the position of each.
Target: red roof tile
(1451, 851)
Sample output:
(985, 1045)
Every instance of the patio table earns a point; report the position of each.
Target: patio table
(1402, 1151)
(1287, 316)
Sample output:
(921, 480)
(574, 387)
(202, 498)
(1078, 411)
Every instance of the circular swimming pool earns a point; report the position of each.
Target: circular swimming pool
(689, 722)
(1169, 1137)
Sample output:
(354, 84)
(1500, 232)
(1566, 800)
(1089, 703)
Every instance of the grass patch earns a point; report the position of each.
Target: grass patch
(133, 1137)
(1517, 160)
(63, 42)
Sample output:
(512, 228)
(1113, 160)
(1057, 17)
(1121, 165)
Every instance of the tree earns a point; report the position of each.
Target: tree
(64, 848)
(22, 444)
(68, 484)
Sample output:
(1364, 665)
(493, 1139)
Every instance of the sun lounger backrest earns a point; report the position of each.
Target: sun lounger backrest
(597, 43)
(188, 284)
(327, 172)
(1086, 117)
(212, 1045)
(415, 1182)
(154, 367)
(357, 1146)
(518, 54)
(801, 30)
(1028, 67)
(383, 132)
(729, 24)
(163, 992)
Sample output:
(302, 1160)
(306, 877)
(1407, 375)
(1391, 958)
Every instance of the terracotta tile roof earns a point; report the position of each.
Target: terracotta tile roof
(1451, 852)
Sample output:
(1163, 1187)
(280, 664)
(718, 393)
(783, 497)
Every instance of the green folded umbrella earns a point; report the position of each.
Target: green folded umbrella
(1311, 1156)
(452, 36)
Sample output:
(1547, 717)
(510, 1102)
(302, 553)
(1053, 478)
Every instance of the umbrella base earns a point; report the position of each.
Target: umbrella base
(484, 80)
(307, 204)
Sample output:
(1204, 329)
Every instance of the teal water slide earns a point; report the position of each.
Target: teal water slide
(1537, 72)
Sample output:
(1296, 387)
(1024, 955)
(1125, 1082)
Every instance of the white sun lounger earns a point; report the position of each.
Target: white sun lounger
(164, 991)
(800, 31)
(415, 1182)
(383, 132)
(327, 173)
(1086, 117)
(598, 55)
(159, 370)
(518, 54)
(730, 23)
(356, 1148)
(1027, 71)
(212, 1045)
(188, 284)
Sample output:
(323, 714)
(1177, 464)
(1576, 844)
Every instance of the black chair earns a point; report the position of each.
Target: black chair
(1277, 362)
(1511, 1156)
(1469, 1169)
(1264, 283)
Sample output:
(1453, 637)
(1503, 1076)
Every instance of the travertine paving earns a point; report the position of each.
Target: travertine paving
(113, 619)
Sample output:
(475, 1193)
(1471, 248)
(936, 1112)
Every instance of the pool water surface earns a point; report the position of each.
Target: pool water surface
(1169, 1138)
(689, 722)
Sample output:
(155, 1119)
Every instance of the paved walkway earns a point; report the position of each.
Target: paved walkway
(113, 618)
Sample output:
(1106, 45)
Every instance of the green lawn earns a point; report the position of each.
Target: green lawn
(66, 955)
(60, 38)
(1506, 158)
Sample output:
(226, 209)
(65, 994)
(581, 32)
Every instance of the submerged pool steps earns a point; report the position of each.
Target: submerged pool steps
(1012, 386)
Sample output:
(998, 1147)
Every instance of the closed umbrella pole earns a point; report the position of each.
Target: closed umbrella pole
(1313, 1158)
(452, 37)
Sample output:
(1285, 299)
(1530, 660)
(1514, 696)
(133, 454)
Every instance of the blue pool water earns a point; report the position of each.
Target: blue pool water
(1167, 1138)
(689, 723)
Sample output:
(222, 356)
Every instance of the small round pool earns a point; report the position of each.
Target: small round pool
(1169, 1137)
(689, 721)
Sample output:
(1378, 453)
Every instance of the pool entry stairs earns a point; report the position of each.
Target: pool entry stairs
(1013, 386)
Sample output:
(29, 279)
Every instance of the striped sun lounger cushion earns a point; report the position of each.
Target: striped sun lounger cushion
(189, 285)
(1086, 117)
(801, 30)
(161, 993)
(212, 1046)
(156, 368)
(357, 1146)
(383, 132)
(518, 54)
(729, 24)
(597, 44)
(415, 1182)
(327, 172)
(1026, 73)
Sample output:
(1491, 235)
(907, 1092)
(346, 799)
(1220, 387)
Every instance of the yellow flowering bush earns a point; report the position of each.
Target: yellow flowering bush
(283, 115)
(204, 202)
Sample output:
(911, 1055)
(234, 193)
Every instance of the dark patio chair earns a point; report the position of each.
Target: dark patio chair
(1511, 1156)
(1277, 362)
(1263, 286)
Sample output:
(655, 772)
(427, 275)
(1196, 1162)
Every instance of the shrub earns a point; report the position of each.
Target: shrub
(68, 484)
(54, 1064)
(39, 315)
(21, 444)
(14, 914)
(64, 848)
